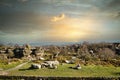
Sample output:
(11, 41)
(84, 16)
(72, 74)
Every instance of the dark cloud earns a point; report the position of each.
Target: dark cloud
(114, 3)
(114, 7)
(23, 22)
(11, 3)
(118, 15)
(5, 4)
(23, 0)
(108, 6)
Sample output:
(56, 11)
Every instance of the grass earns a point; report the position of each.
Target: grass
(5, 66)
(65, 71)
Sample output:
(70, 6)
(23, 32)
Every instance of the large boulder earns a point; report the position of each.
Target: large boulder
(53, 66)
(69, 61)
(52, 62)
(41, 58)
(35, 66)
(77, 67)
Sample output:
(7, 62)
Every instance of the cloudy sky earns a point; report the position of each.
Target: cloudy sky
(28, 21)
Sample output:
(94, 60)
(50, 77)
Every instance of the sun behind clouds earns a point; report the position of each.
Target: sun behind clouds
(71, 29)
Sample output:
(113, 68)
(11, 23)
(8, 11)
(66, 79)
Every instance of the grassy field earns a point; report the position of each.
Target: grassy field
(65, 71)
(5, 66)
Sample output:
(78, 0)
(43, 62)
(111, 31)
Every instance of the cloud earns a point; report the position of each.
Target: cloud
(72, 29)
(114, 6)
(23, 0)
(110, 5)
(118, 15)
(6, 4)
(114, 3)
(58, 18)
(11, 3)
(23, 23)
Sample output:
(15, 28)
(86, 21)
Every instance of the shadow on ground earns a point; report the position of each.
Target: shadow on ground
(117, 73)
(27, 69)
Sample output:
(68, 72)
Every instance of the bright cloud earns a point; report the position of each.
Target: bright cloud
(23, 0)
(58, 18)
(73, 29)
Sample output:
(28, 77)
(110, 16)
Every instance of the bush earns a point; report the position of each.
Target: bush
(106, 54)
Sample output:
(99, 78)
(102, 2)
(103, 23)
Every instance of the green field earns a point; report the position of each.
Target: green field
(5, 66)
(65, 71)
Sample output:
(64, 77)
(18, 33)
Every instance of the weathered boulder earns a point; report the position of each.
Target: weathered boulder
(52, 62)
(53, 66)
(69, 61)
(77, 67)
(35, 66)
(41, 58)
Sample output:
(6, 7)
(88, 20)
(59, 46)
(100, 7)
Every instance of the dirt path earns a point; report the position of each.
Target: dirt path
(5, 72)
(17, 67)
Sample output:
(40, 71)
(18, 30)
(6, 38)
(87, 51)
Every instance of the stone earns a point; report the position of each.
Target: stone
(52, 62)
(35, 66)
(77, 67)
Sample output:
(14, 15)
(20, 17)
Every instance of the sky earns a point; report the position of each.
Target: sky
(33, 21)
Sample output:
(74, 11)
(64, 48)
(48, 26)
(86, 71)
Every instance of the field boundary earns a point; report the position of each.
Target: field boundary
(56, 78)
